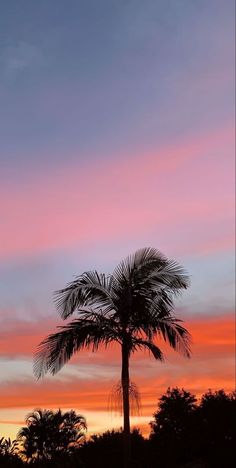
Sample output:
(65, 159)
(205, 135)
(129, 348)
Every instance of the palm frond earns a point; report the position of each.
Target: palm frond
(23, 432)
(172, 276)
(139, 264)
(91, 288)
(145, 276)
(149, 308)
(173, 333)
(71, 417)
(139, 343)
(57, 348)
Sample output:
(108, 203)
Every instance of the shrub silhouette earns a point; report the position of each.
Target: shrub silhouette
(105, 450)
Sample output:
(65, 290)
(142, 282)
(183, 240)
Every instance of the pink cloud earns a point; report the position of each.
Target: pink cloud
(130, 197)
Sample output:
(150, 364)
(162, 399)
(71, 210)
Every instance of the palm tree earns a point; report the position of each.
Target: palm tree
(48, 433)
(132, 307)
(8, 452)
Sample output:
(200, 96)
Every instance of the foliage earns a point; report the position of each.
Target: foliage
(204, 432)
(175, 410)
(172, 425)
(217, 416)
(49, 434)
(104, 450)
(8, 453)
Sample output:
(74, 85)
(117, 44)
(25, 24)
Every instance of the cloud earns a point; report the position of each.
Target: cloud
(209, 333)
(19, 57)
(133, 198)
(213, 340)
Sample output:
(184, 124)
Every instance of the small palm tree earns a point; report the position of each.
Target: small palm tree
(132, 307)
(8, 451)
(48, 433)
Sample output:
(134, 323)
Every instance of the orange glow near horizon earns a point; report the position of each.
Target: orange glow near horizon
(211, 366)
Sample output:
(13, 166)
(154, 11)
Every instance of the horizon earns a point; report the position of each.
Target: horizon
(117, 133)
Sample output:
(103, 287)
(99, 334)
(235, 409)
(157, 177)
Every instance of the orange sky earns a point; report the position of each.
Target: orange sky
(211, 366)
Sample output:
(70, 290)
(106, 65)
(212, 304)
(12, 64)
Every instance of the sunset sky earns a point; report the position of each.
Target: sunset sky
(117, 132)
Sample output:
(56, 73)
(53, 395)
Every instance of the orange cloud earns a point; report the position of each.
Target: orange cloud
(210, 336)
(21, 338)
(210, 366)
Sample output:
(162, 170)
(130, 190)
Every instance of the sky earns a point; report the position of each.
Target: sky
(116, 133)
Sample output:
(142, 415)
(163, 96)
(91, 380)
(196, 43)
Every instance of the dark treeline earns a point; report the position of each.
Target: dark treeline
(182, 434)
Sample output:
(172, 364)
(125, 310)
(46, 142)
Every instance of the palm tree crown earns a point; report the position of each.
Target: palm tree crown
(135, 303)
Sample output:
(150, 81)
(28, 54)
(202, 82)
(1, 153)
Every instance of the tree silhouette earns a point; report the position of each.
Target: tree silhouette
(201, 434)
(49, 433)
(172, 417)
(174, 426)
(132, 307)
(217, 414)
(8, 453)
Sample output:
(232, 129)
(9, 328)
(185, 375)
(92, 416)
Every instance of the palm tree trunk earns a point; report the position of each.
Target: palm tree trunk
(126, 407)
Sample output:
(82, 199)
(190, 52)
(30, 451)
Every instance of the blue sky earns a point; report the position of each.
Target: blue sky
(80, 80)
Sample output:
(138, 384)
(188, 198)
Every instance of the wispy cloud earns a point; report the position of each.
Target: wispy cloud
(131, 197)
(19, 57)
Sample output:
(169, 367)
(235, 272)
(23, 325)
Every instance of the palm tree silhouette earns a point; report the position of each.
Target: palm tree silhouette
(132, 307)
(48, 433)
